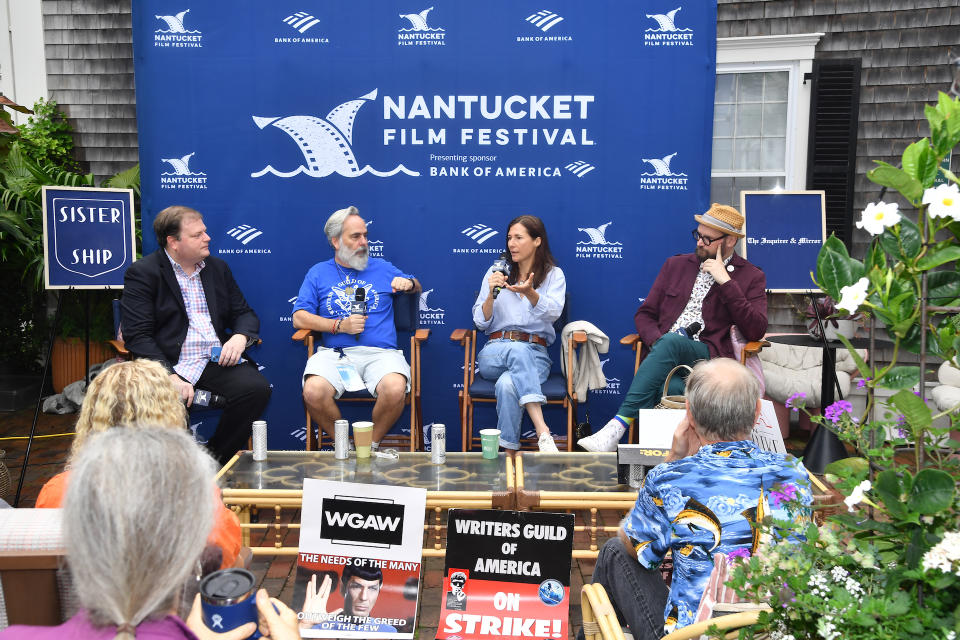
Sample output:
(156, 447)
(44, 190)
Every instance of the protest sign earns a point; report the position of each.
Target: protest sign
(358, 568)
(507, 575)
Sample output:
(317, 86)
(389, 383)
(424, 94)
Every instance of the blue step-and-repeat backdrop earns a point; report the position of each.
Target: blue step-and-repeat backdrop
(440, 121)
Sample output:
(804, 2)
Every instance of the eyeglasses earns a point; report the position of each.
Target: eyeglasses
(707, 241)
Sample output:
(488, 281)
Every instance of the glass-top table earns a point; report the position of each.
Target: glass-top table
(585, 483)
(465, 480)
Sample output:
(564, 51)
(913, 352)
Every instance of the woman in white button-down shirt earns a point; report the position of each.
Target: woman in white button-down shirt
(517, 311)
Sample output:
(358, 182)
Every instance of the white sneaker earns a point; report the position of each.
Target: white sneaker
(546, 444)
(606, 439)
(374, 446)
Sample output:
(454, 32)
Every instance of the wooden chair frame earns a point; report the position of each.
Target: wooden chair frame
(412, 398)
(750, 349)
(600, 621)
(468, 339)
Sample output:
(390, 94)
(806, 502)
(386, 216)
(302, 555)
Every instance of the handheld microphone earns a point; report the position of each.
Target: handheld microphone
(503, 266)
(359, 305)
(204, 398)
(690, 331)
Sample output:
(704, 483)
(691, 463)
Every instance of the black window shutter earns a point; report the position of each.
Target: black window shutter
(832, 151)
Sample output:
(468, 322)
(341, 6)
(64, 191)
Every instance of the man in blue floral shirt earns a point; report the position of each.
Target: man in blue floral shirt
(715, 485)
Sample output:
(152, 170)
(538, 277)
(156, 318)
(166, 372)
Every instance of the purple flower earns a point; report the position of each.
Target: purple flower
(834, 412)
(787, 493)
(738, 554)
(901, 420)
(796, 401)
(862, 382)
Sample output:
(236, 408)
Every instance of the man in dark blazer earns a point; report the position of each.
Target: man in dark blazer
(181, 307)
(695, 300)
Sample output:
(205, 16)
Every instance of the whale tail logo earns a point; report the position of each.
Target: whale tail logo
(174, 23)
(418, 21)
(423, 300)
(326, 143)
(598, 235)
(665, 21)
(180, 166)
(661, 166)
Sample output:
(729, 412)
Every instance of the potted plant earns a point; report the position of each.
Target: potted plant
(22, 177)
(822, 312)
(887, 565)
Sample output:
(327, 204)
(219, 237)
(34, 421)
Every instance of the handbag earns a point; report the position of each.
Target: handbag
(581, 430)
(676, 401)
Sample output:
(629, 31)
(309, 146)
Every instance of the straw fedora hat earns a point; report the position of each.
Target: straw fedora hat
(722, 218)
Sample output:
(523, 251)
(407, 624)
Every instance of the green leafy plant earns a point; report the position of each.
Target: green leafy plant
(888, 564)
(48, 134)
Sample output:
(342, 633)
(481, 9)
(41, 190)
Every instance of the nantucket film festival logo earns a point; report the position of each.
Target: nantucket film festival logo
(179, 175)
(596, 245)
(325, 143)
(544, 21)
(299, 30)
(242, 241)
(418, 32)
(374, 247)
(661, 176)
(428, 315)
(666, 32)
(479, 233)
(613, 384)
(176, 32)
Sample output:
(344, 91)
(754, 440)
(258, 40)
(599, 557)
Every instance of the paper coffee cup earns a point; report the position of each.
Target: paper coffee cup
(362, 437)
(490, 442)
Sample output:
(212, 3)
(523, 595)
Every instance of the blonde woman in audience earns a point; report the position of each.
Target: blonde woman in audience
(134, 395)
(133, 520)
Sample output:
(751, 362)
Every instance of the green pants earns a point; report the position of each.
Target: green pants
(647, 386)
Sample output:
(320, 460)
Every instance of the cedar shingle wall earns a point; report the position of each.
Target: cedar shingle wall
(905, 47)
(89, 52)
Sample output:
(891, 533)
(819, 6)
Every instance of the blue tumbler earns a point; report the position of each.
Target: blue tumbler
(228, 600)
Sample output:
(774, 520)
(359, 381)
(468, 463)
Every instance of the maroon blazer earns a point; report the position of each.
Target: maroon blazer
(742, 301)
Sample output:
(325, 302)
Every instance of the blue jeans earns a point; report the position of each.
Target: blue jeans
(638, 595)
(519, 369)
(647, 386)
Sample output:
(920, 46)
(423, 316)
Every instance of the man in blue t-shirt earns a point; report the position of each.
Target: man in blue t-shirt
(708, 496)
(359, 350)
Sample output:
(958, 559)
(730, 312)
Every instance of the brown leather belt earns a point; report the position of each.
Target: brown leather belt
(519, 336)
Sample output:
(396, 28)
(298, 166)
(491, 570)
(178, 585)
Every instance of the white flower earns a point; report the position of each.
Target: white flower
(838, 574)
(945, 555)
(851, 297)
(856, 496)
(943, 201)
(878, 216)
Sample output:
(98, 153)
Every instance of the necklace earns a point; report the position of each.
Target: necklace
(348, 289)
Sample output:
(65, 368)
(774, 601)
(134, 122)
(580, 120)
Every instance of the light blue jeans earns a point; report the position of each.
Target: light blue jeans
(519, 369)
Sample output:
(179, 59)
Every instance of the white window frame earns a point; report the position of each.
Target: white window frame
(791, 53)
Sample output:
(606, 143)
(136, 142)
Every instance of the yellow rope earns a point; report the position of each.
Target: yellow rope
(50, 435)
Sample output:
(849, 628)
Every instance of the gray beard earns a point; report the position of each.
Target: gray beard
(355, 259)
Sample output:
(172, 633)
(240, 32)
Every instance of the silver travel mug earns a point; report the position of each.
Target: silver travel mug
(438, 444)
(341, 439)
(259, 440)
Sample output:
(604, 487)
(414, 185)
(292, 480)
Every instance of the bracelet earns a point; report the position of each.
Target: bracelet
(336, 326)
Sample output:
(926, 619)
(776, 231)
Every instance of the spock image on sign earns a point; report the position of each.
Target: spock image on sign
(360, 586)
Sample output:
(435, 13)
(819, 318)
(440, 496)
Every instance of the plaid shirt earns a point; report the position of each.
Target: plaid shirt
(201, 336)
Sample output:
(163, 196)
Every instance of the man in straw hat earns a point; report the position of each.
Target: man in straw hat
(688, 313)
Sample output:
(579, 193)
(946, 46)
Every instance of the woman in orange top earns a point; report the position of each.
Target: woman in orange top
(133, 395)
